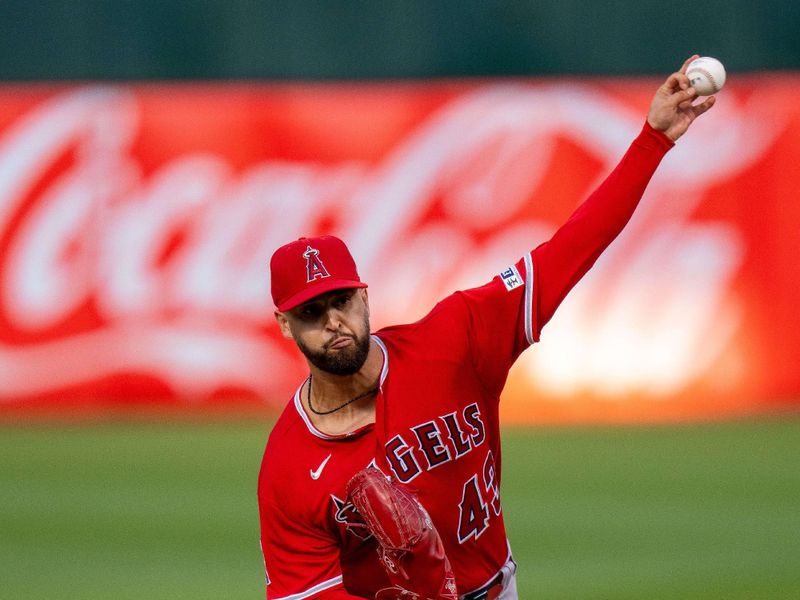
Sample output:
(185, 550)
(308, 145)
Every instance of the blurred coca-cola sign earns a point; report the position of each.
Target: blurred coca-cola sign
(136, 225)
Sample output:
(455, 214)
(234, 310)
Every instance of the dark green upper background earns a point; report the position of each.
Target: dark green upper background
(241, 39)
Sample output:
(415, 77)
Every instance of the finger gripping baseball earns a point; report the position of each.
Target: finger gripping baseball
(410, 548)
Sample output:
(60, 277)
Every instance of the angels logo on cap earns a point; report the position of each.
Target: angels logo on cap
(314, 267)
(308, 267)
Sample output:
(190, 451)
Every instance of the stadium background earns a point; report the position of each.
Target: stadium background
(128, 464)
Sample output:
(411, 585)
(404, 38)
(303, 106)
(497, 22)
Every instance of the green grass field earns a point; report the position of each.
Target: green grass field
(131, 511)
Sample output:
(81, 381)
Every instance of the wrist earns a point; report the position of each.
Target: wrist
(653, 137)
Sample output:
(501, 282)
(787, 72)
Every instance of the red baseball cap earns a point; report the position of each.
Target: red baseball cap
(308, 267)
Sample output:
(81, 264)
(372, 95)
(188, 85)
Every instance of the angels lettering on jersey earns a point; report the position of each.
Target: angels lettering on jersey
(428, 448)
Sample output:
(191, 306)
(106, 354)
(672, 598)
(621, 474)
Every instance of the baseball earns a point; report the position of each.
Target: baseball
(706, 75)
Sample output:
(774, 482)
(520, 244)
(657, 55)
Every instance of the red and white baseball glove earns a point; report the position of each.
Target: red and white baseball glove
(410, 548)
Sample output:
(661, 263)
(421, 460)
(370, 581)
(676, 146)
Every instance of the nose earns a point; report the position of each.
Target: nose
(333, 320)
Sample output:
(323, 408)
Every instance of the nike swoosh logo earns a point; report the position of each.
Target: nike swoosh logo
(315, 474)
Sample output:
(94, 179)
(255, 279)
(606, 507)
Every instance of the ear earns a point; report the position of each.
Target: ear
(365, 298)
(283, 323)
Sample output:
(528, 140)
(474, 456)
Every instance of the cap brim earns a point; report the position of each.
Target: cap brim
(322, 287)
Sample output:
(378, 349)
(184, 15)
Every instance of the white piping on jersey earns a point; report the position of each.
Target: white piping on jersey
(529, 298)
(385, 369)
(313, 590)
(264, 558)
(301, 410)
(298, 404)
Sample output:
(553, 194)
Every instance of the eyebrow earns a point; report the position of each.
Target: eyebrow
(332, 294)
(309, 304)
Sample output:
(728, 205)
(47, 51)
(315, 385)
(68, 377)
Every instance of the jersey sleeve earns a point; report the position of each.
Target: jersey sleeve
(507, 315)
(301, 561)
(502, 322)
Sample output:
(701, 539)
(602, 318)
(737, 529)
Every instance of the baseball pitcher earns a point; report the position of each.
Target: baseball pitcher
(381, 479)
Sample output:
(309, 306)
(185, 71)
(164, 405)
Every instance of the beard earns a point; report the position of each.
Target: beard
(346, 361)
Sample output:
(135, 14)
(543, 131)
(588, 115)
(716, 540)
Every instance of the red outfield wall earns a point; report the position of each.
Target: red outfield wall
(136, 223)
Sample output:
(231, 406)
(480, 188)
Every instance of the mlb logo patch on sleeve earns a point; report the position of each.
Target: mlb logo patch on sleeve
(511, 278)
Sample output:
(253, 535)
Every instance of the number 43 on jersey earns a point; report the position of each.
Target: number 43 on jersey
(478, 498)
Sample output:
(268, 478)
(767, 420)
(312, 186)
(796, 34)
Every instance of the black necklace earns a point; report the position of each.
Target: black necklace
(327, 412)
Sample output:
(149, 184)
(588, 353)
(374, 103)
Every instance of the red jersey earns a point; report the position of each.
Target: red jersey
(437, 428)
